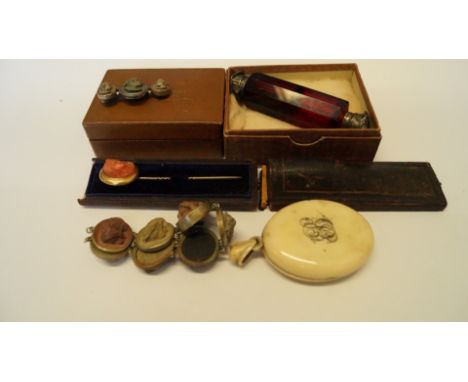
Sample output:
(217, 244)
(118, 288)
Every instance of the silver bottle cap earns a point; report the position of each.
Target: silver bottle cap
(238, 81)
(356, 120)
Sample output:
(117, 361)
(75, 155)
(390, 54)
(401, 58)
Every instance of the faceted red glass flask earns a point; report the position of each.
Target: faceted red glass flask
(294, 103)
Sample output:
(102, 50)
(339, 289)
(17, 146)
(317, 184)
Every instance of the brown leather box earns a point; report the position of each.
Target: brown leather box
(201, 114)
(186, 125)
(250, 135)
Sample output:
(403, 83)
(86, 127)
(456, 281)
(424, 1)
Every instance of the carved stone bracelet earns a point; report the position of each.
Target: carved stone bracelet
(132, 90)
(159, 241)
(313, 241)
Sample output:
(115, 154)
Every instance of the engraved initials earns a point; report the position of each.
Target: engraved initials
(319, 229)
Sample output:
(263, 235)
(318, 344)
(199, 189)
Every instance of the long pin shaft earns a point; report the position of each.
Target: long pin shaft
(191, 177)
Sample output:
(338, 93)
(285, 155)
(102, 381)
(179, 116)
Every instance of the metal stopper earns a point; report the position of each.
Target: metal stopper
(356, 120)
(238, 81)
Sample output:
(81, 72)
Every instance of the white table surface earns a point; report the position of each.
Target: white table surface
(418, 270)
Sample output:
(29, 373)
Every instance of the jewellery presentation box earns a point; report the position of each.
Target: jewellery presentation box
(369, 186)
(255, 136)
(186, 125)
(201, 116)
(231, 184)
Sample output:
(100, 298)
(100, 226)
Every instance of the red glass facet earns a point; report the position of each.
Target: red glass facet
(293, 103)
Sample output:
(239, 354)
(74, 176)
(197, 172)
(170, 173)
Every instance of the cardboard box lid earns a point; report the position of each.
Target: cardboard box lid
(194, 109)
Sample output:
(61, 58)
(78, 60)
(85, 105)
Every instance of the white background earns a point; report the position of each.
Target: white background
(418, 270)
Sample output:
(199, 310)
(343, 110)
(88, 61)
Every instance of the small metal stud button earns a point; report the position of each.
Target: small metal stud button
(133, 89)
(160, 89)
(107, 92)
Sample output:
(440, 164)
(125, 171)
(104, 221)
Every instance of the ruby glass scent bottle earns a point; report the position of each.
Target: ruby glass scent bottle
(293, 103)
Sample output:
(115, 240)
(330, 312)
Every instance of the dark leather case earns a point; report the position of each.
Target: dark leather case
(376, 186)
